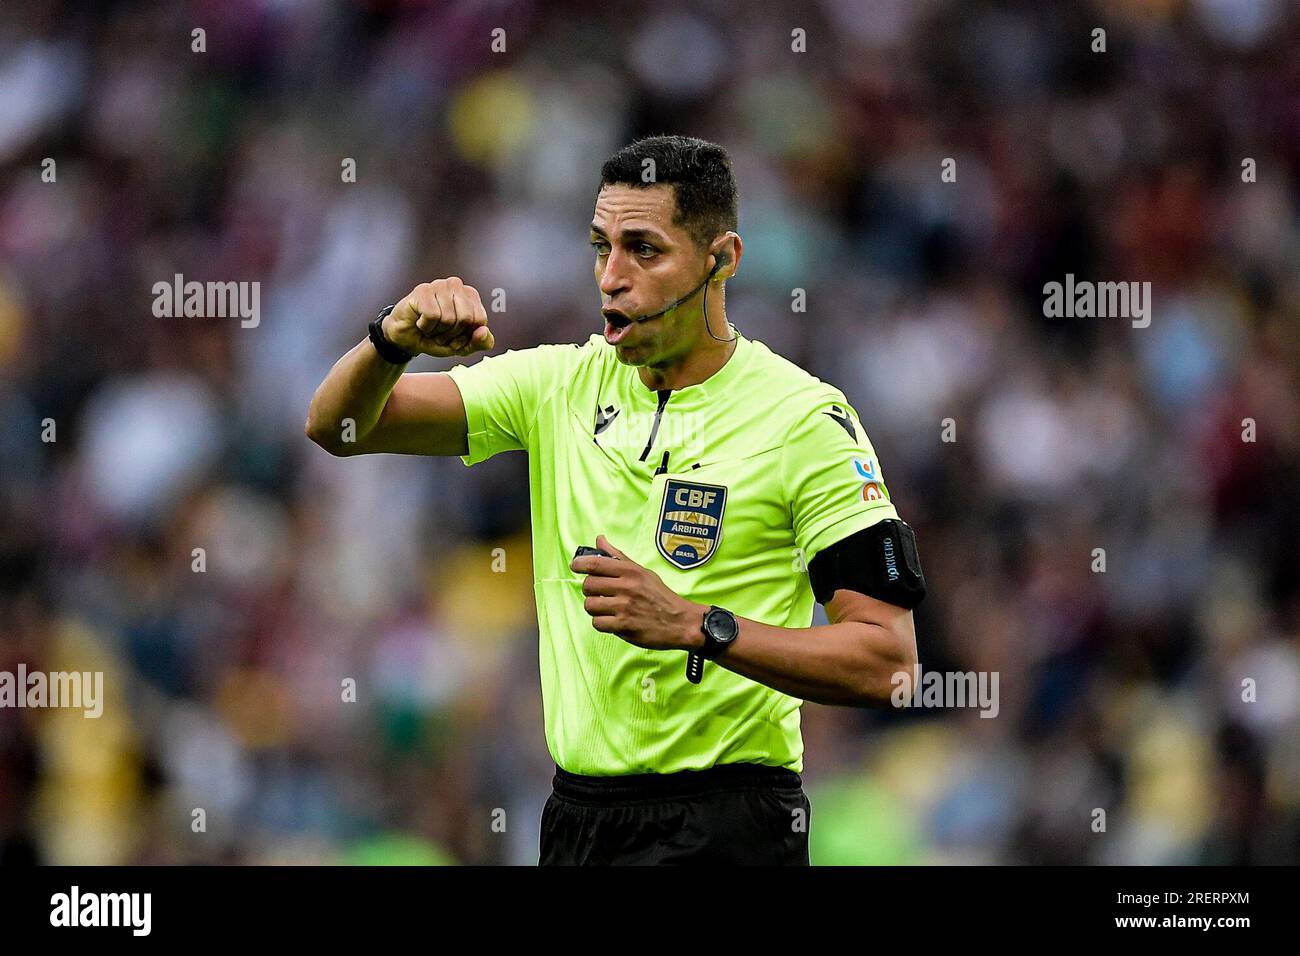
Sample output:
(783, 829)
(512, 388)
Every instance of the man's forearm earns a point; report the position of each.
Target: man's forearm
(849, 663)
(356, 388)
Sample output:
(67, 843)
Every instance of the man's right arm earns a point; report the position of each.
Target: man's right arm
(367, 405)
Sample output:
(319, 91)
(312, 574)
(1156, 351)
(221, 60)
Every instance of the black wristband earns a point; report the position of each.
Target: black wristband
(387, 350)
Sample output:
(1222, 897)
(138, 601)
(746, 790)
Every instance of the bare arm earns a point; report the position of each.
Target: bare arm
(381, 409)
(367, 405)
(851, 661)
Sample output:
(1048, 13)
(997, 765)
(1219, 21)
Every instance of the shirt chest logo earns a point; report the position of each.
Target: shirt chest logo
(604, 418)
(690, 522)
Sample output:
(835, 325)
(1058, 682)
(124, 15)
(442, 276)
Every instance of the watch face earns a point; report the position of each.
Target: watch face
(722, 625)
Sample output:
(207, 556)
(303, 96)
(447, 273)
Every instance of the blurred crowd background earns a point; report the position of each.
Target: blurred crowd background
(1126, 690)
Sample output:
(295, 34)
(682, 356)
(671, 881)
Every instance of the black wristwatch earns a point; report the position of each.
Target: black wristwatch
(387, 350)
(720, 629)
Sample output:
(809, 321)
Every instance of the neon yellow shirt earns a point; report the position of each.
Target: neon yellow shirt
(766, 466)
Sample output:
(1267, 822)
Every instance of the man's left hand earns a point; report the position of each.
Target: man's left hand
(626, 599)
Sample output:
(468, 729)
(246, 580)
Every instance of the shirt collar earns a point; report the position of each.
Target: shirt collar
(712, 387)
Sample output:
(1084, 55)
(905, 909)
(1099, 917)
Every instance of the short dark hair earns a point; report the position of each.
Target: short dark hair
(699, 172)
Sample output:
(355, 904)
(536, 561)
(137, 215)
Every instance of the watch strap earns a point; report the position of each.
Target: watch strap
(387, 350)
(694, 667)
(711, 650)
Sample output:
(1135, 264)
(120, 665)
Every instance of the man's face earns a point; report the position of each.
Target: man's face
(643, 263)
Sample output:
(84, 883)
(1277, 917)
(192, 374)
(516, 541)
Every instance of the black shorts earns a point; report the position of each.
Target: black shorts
(733, 814)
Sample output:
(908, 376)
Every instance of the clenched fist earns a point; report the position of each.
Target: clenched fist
(440, 318)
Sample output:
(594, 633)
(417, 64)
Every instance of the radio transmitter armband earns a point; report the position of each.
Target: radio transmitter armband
(880, 562)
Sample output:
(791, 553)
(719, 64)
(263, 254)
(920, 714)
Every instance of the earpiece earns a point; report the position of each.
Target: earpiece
(723, 259)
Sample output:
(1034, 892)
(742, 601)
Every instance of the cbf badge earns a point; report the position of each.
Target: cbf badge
(690, 522)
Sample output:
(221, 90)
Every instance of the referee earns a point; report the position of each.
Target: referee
(718, 490)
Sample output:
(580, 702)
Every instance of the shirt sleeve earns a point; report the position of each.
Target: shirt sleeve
(832, 477)
(502, 395)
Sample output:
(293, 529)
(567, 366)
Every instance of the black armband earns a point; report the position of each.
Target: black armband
(880, 562)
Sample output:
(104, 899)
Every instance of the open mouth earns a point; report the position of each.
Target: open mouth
(616, 325)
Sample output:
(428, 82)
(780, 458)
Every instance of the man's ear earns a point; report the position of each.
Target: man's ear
(723, 258)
